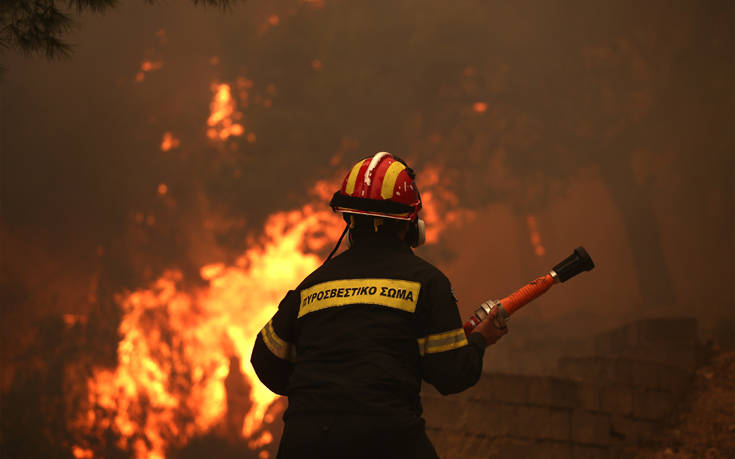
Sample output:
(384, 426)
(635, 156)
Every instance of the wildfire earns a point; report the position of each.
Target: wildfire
(223, 117)
(177, 344)
(183, 359)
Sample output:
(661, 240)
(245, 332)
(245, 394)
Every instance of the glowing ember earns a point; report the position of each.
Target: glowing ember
(162, 189)
(72, 319)
(222, 114)
(148, 66)
(145, 67)
(274, 20)
(479, 107)
(316, 64)
(169, 142)
(538, 248)
(81, 453)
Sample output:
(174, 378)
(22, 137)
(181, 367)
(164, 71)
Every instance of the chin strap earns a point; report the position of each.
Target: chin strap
(339, 242)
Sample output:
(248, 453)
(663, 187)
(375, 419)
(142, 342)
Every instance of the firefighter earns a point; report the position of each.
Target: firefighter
(352, 343)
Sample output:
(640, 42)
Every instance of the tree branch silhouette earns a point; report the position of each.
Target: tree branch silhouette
(38, 27)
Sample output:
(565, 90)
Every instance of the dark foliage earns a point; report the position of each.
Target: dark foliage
(38, 26)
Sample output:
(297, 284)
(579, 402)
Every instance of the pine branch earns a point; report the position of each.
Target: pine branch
(38, 26)
(34, 27)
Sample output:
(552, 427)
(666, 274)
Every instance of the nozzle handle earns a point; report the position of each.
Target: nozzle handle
(574, 264)
(527, 293)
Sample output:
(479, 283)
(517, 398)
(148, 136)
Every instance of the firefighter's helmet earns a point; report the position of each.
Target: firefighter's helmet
(382, 186)
(379, 186)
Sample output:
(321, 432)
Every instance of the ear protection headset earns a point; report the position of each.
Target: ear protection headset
(416, 235)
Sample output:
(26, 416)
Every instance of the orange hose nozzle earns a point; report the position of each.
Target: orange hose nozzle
(527, 293)
(574, 264)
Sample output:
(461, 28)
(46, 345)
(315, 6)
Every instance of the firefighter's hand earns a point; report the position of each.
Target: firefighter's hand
(492, 328)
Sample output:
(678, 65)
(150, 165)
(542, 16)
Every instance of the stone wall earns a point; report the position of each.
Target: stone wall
(595, 406)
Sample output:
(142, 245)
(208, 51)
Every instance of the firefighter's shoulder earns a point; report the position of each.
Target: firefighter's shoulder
(427, 271)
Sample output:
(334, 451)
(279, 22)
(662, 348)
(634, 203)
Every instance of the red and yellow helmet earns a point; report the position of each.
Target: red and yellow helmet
(381, 186)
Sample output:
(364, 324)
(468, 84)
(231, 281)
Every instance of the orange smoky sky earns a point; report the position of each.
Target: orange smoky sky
(160, 162)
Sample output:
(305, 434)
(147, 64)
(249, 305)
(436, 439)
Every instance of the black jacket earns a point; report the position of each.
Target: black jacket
(360, 333)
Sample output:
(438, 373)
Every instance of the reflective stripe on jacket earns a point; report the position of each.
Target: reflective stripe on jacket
(361, 332)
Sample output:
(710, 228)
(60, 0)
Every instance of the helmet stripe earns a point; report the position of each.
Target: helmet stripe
(352, 178)
(389, 180)
(373, 164)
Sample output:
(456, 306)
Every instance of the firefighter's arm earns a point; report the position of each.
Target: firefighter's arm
(450, 361)
(274, 346)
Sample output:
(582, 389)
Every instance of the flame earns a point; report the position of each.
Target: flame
(169, 142)
(222, 114)
(538, 248)
(265, 438)
(177, 343)
(183, 358)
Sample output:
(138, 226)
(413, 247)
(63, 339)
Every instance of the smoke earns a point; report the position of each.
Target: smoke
(607, 125)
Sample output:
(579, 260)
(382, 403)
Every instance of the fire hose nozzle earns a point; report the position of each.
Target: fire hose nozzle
(574, 264)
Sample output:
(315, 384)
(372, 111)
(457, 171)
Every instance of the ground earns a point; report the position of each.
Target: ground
(704, 426)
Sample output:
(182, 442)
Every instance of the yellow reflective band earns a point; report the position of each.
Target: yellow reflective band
(389, 180)
(352, 178)
(441, 342)
(280, 348)
(393, 293)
